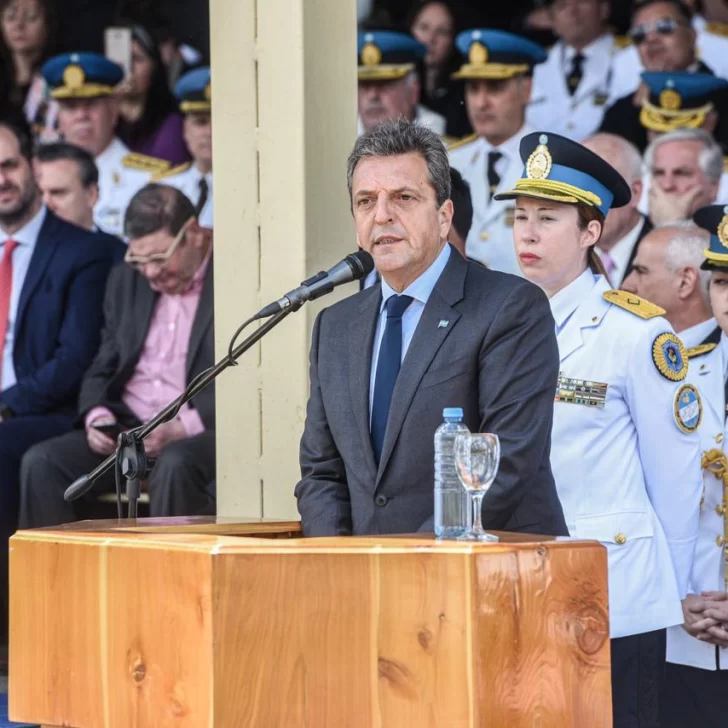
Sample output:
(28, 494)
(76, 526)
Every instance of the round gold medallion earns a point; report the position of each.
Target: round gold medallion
(371, 55)
(539, 163)
(670, 100)
(74, 77)
(478, 54)
(722, 231)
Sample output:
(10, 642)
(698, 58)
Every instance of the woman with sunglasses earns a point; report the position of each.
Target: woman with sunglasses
(624, 451)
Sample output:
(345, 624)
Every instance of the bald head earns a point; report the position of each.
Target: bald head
(626, 159)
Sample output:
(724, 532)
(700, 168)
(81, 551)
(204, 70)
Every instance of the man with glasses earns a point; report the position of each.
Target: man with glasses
(571, 89)
(666, 42)
(158, 337)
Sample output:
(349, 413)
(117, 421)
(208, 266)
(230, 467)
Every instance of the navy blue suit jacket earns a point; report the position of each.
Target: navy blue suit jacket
(60, 317)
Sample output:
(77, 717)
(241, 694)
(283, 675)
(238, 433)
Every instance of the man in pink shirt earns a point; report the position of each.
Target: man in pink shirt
(158, 336)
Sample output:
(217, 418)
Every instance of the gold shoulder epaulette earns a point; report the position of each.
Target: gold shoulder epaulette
(700, 350)
(725, 164)
(462, 142)
(717, 28)
(634, 304)
(171, 172)
(622, 41)
(144, 162)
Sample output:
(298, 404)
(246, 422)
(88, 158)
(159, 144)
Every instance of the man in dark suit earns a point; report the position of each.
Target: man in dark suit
(463, 335)
(158, 336)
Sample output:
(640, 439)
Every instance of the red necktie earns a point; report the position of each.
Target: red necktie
(6, 289)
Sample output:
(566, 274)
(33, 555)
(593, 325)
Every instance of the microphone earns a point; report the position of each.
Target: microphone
(352, 268)
(77, 488)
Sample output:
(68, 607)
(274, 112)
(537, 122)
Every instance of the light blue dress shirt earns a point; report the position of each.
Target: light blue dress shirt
(26, 238)
(420, 290)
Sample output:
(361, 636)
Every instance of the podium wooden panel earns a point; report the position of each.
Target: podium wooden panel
(195, 623)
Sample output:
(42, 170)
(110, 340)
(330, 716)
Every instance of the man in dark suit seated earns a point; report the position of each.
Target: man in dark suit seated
(52, 279)
(158, 336)
(465, 336)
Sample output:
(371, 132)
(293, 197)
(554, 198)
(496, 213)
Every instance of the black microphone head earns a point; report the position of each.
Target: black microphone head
(78, 488)
(362, 264)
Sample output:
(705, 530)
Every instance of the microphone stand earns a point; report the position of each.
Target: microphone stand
(134, 462)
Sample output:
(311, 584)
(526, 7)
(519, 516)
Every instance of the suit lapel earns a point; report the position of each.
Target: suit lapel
(588, 315)
(426, 342)
(203, 318)
(361, 343)
(144, 302)
(46, 244)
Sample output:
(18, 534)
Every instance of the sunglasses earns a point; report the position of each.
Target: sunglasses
(664, 26)
(139, 261)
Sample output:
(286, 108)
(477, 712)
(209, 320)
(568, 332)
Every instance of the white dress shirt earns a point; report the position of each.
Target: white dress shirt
(26, 238)
(420, 290)
(621, 253)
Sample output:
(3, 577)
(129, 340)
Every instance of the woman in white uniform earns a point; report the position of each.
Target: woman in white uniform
(625, 450)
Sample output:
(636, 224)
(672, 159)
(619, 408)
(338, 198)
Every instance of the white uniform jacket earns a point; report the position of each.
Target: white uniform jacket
(553, 109)
(626, 473)
(490, 240)
(707, 372)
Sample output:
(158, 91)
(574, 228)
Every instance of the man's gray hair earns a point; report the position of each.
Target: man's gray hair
(685, 250)
(394, 138)
(710, 158)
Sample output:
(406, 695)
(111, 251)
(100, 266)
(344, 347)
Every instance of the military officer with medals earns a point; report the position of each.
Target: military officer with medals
(695, 690)
(624, 450)
(84, 86)
(195, 178)
(497, 77)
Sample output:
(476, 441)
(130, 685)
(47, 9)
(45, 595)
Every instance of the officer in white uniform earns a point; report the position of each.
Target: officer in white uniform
(195, 178)
(389, 66)
(696, 674)
(84, 86)
(624, 449)
(571, 90)
(497, 76)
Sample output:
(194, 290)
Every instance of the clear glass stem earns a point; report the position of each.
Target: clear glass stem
(478, 496)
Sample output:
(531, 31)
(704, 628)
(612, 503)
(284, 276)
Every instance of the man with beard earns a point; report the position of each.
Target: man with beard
(84, 85)
(52, 280)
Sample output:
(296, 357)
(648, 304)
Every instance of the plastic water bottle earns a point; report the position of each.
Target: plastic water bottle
(451, 502)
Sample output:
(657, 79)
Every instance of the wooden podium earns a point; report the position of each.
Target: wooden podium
(202, 623)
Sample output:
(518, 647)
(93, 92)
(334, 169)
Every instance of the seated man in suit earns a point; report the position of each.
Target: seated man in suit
(464, 336)
(158, 336)
(52, 279)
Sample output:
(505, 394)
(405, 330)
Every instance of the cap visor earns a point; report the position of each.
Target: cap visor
(489, 72)
(537, 195)
(657, 120)
(384, 73)
(88, 91)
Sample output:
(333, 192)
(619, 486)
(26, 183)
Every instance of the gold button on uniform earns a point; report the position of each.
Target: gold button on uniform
(620, 538)
(720, 510)
(484, 236)
(719, 438)
(719, 541)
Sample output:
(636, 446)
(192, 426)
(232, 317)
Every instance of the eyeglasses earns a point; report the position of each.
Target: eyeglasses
(663, 26)
(139, 261)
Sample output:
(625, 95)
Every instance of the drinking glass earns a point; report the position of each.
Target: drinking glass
(477, 455)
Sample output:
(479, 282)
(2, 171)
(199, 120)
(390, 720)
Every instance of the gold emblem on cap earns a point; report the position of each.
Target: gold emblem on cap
(74, 76)
(478, 54)
(371, 55)
(670, 100)
(208, 92)
(540, 161)
(722, 231)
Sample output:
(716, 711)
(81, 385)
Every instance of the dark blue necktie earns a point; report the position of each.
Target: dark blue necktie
(388, 364)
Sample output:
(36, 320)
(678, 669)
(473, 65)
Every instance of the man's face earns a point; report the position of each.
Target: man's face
(578, 22)
(719, 298)
(387, 100)
(496, 108)
(88, 123)
(63, 193)
(198, 136)
(663, 48)
(676, 170)
(650, 278)
(18, 192)
(398, 220)
(175, 274)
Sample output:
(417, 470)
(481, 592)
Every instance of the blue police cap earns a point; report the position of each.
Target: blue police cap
(679, 99)
(562, 170)
(385, 55)
(495, 54)
(194, 91)
(81, 76)
(714, 219)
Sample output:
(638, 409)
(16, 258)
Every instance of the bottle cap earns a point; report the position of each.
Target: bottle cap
(451, 413)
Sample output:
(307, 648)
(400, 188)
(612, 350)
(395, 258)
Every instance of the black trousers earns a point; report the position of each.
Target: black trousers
(178, 483)
(693, 697)
(637, 667)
